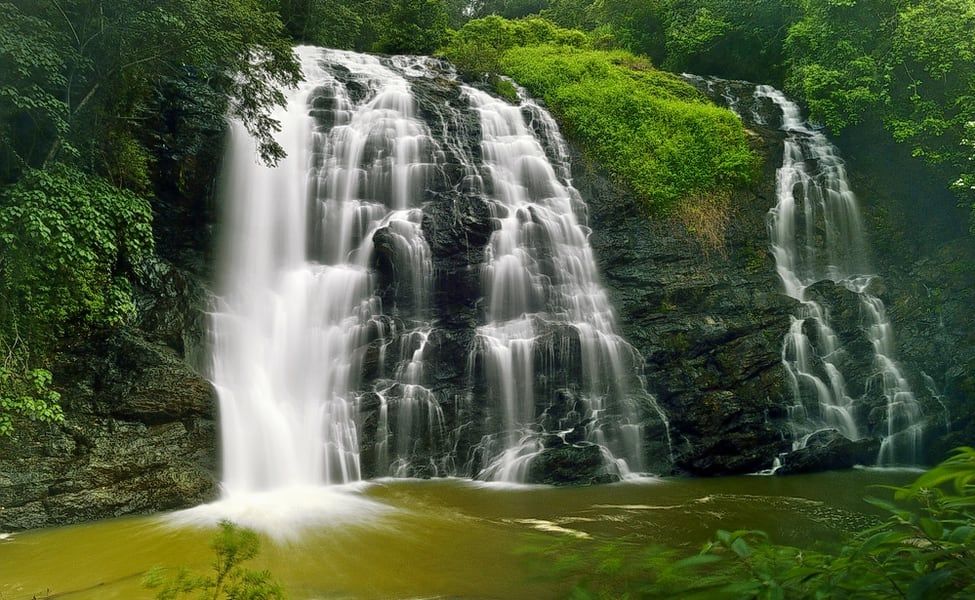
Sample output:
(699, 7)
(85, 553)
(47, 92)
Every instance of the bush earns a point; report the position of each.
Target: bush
(69, 240)
(25, 392)
(477, 47)
(650, 129)
(924, 549)
(233, 546)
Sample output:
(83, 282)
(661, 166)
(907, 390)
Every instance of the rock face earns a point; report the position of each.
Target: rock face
(927, 254)
(140, 431)
(936, 336)
(709, 322)
(827, 450)
(571, 464)
(139, 436)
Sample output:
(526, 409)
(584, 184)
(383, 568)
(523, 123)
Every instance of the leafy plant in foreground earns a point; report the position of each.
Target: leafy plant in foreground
(229, 579)
(924, 549)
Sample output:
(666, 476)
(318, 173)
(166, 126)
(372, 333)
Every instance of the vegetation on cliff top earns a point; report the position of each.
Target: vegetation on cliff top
(902, 70)
(648, 128)
(652, 131)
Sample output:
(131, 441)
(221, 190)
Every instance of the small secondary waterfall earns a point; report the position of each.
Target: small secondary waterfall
(817, 235)
(348, 340)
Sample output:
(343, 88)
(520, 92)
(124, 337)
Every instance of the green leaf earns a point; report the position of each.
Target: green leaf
(961, 535)
(932, 585)
(931, 528)
(741, 548)
(697, 561)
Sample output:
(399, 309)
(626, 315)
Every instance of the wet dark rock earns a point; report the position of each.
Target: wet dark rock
(844, 308)
(923, 247)
(139, 436)
(708, 322)
(570, 464)
(829, 450)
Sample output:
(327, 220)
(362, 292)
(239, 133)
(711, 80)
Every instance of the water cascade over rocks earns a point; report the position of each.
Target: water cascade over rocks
(839, 352)
(411, 292)
(847, 385)
(550, 327)
(846, 382)
(817, 234)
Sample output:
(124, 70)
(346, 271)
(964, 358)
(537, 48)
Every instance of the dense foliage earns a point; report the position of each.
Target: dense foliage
(924, 549)
(230, 580)
(100, 104)
(476, 48)
(396, 27)
(906, 67)
(69, 240)
(646, 127)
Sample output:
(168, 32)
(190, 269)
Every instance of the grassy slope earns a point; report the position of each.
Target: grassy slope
(650, 129)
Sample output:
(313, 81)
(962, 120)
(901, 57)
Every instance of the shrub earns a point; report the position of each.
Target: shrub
(229, 580)
(650, 129)
(477, 47)
(69, 240)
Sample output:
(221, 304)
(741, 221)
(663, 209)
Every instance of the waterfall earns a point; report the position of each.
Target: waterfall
(297, 313)
(816, 234)
(333, 345)
(543, 295)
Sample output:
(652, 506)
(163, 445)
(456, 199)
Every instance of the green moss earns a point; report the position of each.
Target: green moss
(476, 48)
(505, 89)
(650, 129)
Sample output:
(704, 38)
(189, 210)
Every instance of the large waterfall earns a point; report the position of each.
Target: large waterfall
(816, 235)
(411, 292)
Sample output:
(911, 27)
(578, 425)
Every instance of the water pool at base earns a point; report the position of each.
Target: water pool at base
(438, 538)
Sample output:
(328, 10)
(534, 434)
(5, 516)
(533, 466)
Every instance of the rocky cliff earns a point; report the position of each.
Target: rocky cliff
(708, 321)
(139, 433)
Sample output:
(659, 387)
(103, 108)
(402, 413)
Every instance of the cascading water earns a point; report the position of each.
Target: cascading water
(297, 314)
(817, 235)
(334, 329)
(543, 295)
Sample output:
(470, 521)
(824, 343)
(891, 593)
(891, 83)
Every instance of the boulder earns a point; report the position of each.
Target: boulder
(570, 464)
(139, 436)
(829, 450)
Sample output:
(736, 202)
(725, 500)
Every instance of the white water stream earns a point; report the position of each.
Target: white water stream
(297, 309)
(817, 235)
(543, 293)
